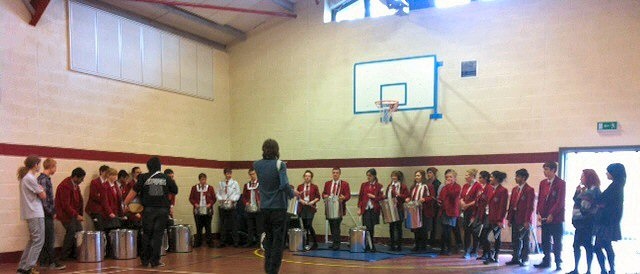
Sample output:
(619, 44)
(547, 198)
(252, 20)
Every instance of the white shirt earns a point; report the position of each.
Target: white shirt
(228, 191)
(30, 203)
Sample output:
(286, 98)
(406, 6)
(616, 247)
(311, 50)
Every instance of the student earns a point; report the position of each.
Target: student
(274, 193)
(47, 256)
(309, 197)
(202, 195)
(584, 209)
(228, 195)
(519, 217)
(69, 211)
(396, 190)
(450, 203)
(369, 204)
(610, 205)
(111, 204)
(94, 204)
(31, 197)
(468, 197)
(482, 210)
(423, 193)
(497, 205)
(432, 179)
(172, 197)
(551, 214)
(251, 198)
(339, 188)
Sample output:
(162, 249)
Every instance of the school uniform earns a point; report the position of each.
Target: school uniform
(468, 195)
(202, 195)
(94, 204)
(111, 203)
(308, 192)
(427, 192)
(370, 207)
(449, 197)
(69, 202)
(480, 217)
(497, 205)
(337, 188)
(228, 191)
(399, 192)
(519, 216)
(551, 203)
(251, 195)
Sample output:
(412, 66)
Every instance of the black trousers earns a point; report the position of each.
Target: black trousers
(47, 255)
(98, 221)
(446, 237)
(334, 224)
(255, 226)
(421, 236)
(520, 243)
(468, 233)
(203, 222)
(69, 244)
(457, 233)
(228, 226)
(434, 227)
(307, 223)
(395, 234)
(486, 244)
(275, 225)
(370, 219)
(552, 231)
(154, 222)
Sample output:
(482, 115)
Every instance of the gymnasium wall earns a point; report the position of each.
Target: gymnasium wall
(547, 72)
(81, 120)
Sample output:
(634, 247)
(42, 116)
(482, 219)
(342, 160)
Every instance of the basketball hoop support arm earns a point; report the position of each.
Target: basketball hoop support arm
(436, 115)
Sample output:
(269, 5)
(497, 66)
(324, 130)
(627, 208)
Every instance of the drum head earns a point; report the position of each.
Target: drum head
(135, 208)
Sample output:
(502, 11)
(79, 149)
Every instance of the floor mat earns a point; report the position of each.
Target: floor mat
(346, 255)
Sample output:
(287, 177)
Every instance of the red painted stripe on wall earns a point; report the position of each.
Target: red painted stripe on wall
(108, 156)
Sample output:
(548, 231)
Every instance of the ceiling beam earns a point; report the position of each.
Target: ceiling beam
(151, 22)
(36, 9)
(204, 21)
(285, 4)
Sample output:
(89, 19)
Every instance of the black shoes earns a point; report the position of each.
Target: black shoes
(512, 262)
(543, 264)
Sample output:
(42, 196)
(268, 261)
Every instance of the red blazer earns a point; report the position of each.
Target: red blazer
(94, 206)
(400, 197)
(68, 201)
(210, 196)
(344, 190)
(428, 207)
(111, 200)
(314, 193)
(498, 204)
(246, 194)
(449, 196)
(482, 201)
(469, 196)
(520, 210)
(363, 198)
(551, 200)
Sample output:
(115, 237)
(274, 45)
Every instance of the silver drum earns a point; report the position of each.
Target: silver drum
(296, 239)
(390, 212)
(90, 246)
(357, 239)
(251, 208)
(180, 239)
(228, 205)
(332, 208)
(412, 215)
(124, 244)
(292, 207)
(203, 210)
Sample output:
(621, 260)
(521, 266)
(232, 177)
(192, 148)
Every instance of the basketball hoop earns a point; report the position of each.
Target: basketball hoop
(387, 108)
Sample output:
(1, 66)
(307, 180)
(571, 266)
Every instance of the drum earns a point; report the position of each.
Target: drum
(202, 210)
(124, 244)
(357, 239)
(135, 206)
(292, 208)
(251, 208)
(180, 239)
(90, 246)
(296, 239)
(332, 208)
(412, 215)
(390, 212)
(228, 205)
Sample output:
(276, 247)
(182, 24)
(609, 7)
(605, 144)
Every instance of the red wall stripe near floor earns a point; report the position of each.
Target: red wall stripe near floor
(125, 157)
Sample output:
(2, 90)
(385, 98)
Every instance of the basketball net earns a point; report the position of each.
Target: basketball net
(387, 108)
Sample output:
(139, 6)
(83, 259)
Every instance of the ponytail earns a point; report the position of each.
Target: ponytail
(30, 162)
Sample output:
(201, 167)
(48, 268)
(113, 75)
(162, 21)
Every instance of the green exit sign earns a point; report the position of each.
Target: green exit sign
(608, 126)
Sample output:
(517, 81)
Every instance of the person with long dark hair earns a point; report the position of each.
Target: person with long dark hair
(425, 194)
(480, 215)
(369, 203)
(609, 215)
(584, 209)
(275, 192)
(497, 206)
